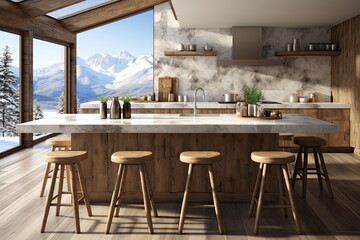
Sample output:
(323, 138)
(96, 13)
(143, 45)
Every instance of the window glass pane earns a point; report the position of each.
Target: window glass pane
(72, 9)
(116, 59)
(9, 90)
(49, 79)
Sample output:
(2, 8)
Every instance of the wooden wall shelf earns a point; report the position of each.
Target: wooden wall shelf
(307, 53)
(190, 53)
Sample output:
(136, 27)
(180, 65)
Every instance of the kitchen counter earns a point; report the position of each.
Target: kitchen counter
(166, 136)
(175, 123)
(216, 105)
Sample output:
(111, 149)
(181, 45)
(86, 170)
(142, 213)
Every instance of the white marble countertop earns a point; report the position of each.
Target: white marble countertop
(216, 105)
(174, 123)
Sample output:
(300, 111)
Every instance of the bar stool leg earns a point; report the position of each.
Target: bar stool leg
(327, 180)
(281, 191)
(60, 190)
(68, 178)
(259, 205)
(45, 179)
(304, 172)
(50, 197)
(256, 189)
(114, 198)
(318, 171)
(121, 191)
(150, 192)
(84, 189)
(293, 208)
(146, 198)
(186, 196)
(297, 166)
(215, 199)
(75, 197)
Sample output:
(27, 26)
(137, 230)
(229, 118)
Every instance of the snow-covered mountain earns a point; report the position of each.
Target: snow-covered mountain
(99, 75)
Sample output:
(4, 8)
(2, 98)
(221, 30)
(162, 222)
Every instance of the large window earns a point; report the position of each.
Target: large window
(49, 80)
(9, 90)
(116, 59)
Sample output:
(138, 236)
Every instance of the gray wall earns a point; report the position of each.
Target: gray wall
(300, 75)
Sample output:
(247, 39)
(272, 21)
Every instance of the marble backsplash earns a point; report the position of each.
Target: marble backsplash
(300, 75)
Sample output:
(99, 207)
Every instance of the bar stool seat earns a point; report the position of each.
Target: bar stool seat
(301, 166)
(280, 160)
(199, 157)
(272, 157)
(131, 157)
(194, 158)
(58, 143)
(310, 141)
(72, 160)
(124, 159)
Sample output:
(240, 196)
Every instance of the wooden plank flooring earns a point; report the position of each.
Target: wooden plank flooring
(21, 209)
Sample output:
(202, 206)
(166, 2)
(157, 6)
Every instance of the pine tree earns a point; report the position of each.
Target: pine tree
(61, 105)
(37, 112)
(9, 96)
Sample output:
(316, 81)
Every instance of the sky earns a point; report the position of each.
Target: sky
(133, 34)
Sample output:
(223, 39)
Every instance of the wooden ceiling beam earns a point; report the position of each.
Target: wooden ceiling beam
(107, 13)
(35, 8)
(13, 18)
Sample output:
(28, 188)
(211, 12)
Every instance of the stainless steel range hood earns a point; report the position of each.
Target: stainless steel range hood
(247, 49)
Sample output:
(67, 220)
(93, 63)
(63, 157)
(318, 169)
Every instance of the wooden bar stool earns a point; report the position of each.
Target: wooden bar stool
(194, 158)
(124, 159)
(280, 160)
(57, 144)
(303, 170)
(71, 159)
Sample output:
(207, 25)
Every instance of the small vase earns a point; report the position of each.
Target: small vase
(252, 110)
(127, 110)
(103, 110)
(115, 109)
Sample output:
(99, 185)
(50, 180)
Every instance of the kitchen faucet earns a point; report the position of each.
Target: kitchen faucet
(196, 100)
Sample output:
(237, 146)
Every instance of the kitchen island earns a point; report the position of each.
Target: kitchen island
(167, 135)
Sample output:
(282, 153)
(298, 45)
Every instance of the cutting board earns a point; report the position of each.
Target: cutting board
(167, 85)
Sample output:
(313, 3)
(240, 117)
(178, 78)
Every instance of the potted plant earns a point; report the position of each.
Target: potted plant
(126, 107)
(103, 106)
(252, 95)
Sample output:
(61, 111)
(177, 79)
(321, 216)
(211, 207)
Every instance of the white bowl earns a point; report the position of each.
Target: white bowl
(303, 99)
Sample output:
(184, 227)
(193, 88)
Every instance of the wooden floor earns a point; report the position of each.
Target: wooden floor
(21, 209)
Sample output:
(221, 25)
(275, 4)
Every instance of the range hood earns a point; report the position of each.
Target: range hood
(247, 49)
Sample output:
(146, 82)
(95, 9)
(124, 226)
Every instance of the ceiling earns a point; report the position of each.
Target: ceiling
(265, 13)
(81, 15)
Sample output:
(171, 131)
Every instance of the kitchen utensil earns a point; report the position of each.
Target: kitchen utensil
(333, 47)
(289, 47)
(181, 47)
(192, 47)
(303, 99)
(313, 97)
(294, 98)
(230, 97)
(241, 109)
(208, 47)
